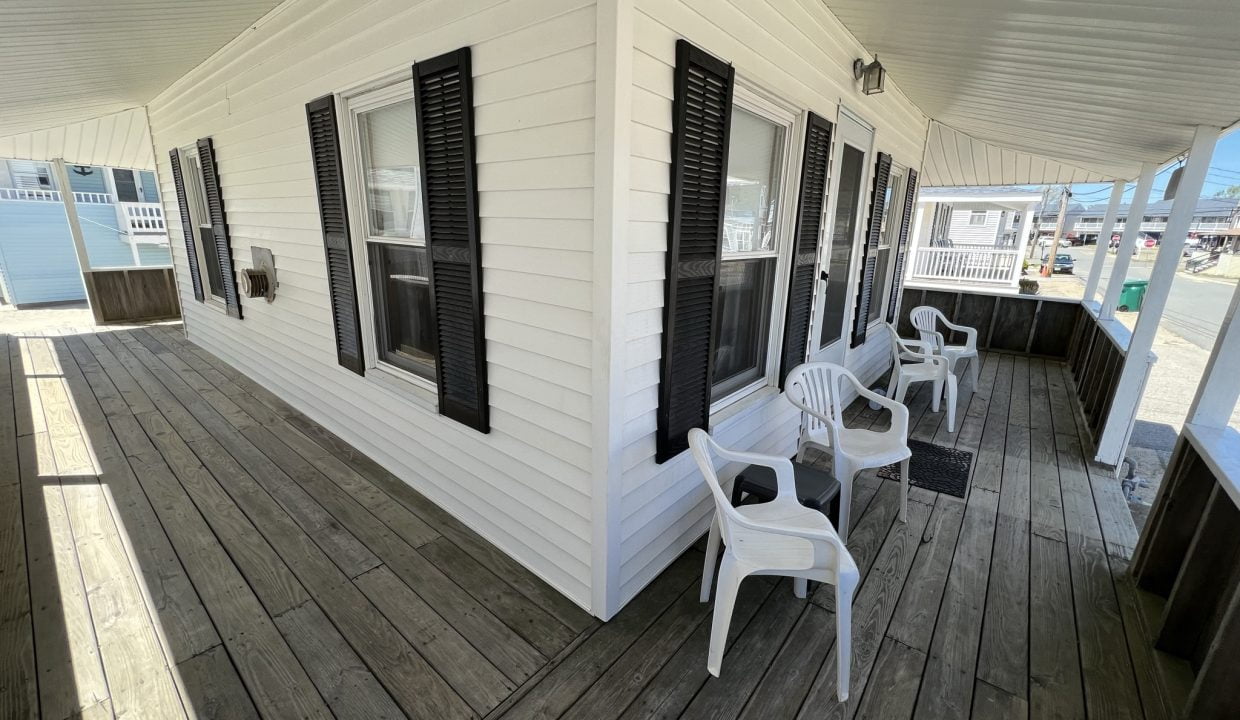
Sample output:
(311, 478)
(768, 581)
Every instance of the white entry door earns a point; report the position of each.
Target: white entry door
(847, 195)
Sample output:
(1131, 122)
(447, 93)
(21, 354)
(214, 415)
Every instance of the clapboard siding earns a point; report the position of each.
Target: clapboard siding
(526, 485)
(798, 51)
(960, 231)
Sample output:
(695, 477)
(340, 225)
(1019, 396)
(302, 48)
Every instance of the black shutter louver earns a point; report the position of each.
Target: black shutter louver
(897, 281)
(869, 253)
(334, 216)
(813, 194)
(702, 113)
(219, 225)
(187, 224)
(443, 96)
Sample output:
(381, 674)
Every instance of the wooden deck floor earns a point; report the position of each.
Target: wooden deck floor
(175, 541)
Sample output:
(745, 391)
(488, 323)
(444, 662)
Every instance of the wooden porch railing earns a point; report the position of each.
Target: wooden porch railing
(1190, 555)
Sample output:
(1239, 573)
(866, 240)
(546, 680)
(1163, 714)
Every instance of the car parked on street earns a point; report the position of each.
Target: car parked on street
(1063, 264)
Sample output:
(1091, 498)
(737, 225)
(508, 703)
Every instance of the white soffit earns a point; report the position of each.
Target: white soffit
(1098, 86)
(118, 140)
(954, 159)
(66, 61)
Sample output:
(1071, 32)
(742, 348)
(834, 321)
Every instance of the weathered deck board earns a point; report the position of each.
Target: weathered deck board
(284, 572)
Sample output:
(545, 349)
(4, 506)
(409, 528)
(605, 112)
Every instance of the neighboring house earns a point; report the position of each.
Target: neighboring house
(971, 235)
(1210, 223)
(120, 216)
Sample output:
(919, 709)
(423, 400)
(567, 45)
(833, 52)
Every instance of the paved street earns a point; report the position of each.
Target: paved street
(1197, 304)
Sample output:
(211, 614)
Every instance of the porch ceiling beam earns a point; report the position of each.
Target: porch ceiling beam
(1100, 251)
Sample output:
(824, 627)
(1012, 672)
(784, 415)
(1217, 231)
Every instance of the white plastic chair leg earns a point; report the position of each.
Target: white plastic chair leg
(800, 587)
(938, 393)
(843, 632)
(844, 473)
(901, 389)
(725, 600)
(904, 490)
(893, 381)
(951, 403)
(712, 554)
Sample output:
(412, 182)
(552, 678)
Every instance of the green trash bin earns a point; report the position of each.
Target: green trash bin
(1132, 295)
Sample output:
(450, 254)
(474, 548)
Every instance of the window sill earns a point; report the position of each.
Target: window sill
(742, 405)
(404, 388)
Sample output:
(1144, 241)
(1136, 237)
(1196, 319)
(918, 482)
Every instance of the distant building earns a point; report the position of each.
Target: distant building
(122, 226)
(1210, 223)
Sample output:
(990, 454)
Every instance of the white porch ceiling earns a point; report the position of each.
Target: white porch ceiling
(66, 61)
(1095, 87)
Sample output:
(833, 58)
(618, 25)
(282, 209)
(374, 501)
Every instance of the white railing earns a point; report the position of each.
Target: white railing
(29, 194)
(1085, 226)
(966, 265)
(143, 221)
(1208, 226)
(92, 198)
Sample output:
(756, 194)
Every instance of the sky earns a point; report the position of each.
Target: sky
(1224, 171)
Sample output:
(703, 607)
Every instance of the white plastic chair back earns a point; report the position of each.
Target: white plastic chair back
(925, 320)
(815, 389)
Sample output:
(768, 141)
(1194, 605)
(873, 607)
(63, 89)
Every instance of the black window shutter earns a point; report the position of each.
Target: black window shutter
(897, 281)
(443, 96)
(869, 253)
(187, 224)
(219, 224)
(805, 256)
(334, 216)
(701, 121)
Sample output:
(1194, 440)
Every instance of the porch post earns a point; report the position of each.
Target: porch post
(1022, 237)
(75, 232)
(1100, 252)
(1132, 377)
(1219, 388)
(1123, 254)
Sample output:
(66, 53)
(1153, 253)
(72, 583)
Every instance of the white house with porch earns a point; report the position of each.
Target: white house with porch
(971, 235)
(459, 277)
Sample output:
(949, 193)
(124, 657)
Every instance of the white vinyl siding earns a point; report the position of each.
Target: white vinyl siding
(526, 485)
(963, 232)
(796, 50)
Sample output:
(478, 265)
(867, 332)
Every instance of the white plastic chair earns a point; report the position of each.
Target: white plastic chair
(815, 389)
(925, 319)
(780, 537)
(914, 361)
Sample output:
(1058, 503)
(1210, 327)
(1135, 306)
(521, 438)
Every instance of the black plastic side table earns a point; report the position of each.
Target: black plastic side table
(816, 489)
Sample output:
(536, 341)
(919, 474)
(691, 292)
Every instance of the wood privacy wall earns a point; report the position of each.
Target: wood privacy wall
(1024, 324)
(1096, 360)
(133, 294)
(1190, 555)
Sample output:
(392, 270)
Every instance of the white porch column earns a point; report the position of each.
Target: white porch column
(1220, 383)
(1022, 237)
(75, 232)
(1100, 252)
(1132, 228)
(1132, 377)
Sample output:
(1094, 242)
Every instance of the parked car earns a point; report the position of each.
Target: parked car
(1063, 264)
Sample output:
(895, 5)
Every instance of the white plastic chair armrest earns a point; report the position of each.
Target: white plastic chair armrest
(899, 413)
(785, 476)
(970, 333)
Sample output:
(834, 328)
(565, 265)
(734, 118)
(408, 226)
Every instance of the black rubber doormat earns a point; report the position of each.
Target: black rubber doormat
(934, 467)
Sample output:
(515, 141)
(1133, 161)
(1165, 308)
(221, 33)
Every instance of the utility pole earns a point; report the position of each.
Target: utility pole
(1033, 241)
(1049, 265)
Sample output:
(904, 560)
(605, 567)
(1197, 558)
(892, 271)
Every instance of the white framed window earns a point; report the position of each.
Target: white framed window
(888, 238)
(977, 217)
(204, 237)
(758, 218)
(383, 178)
(29, 175)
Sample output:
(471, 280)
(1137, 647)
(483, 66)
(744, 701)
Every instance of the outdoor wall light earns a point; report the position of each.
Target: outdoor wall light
(873, 76)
